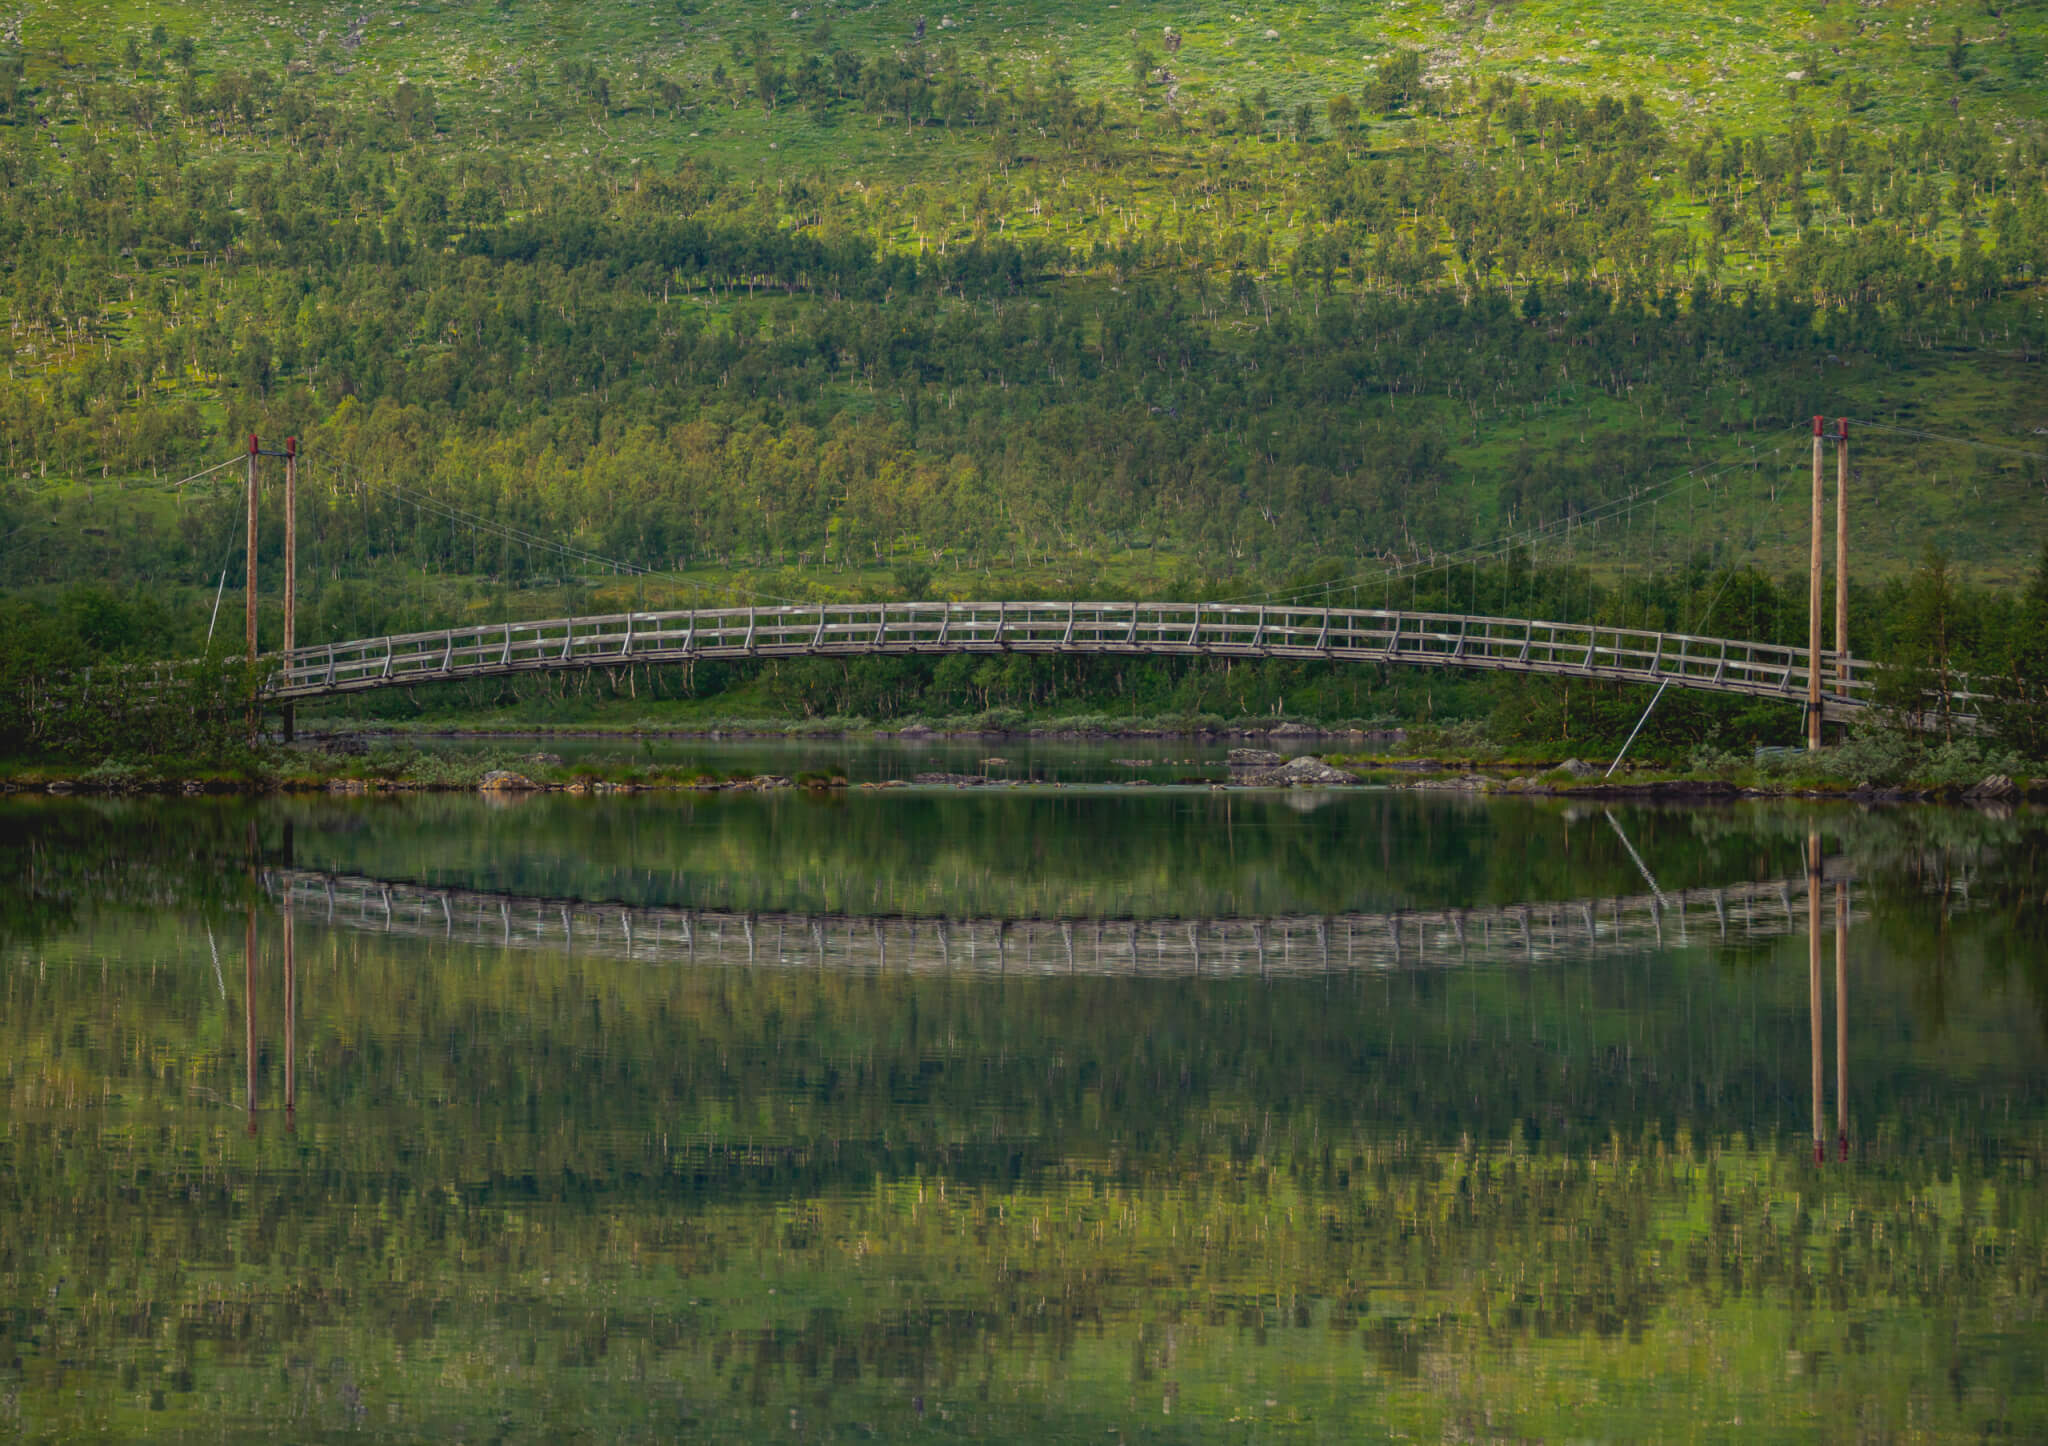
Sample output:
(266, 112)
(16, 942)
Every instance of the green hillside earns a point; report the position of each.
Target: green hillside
(1122, 298)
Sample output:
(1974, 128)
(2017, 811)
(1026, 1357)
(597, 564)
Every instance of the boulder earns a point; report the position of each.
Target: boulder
(1576, 767)
(1299, 772)
(1295, 730)
(1995, 789)
(1313, 770)
(1466, 783)
(504, 780)
(913, 730)
(1255, 758)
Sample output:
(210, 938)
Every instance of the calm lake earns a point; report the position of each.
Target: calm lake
(1092, 1113)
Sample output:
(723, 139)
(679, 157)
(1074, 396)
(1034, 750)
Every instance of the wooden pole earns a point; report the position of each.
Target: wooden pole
(249, 594)
(1842, 555)
(1813, 604)
(291, 564)
(249, 591)
(1813, 996)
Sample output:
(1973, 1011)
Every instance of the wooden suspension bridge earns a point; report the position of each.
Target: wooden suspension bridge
(1129, 629)
(1517, 934)
(1830, 685)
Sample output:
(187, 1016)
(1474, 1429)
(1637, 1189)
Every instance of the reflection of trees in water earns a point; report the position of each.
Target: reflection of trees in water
(989, 854)
(1966, 898)
(578, 1176)
(899, 1070)
(1042, 854)
(62, 859)
(509, 1155)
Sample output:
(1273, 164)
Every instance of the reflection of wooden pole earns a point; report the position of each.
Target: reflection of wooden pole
(249, 1018)
(1842, 1018)
(1813, 602)
(1813, 996)
(291, 1018)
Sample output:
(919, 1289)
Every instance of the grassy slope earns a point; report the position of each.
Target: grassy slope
(1726, 70)
(1702, 73)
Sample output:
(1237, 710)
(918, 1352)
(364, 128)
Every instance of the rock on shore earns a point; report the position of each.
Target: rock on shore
(1303, 770)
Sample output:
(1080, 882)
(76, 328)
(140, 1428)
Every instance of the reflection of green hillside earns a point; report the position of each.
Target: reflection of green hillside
(532, 1187)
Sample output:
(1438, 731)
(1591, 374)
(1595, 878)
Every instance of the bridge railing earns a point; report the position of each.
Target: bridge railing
(1395, 636)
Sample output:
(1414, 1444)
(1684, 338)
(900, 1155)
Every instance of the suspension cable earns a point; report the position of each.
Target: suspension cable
(1500, 546)
(1953, 441)
(510, 532)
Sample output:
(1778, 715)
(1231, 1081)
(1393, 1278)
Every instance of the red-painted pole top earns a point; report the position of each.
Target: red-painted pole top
(1841, 429)
(1816, 426)
(291, 446)
(252, 444)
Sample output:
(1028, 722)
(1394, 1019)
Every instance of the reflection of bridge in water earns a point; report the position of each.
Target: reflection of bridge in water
(1534, 932)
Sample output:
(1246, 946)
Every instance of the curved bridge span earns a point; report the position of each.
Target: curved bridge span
(1445, 640)
(1529, 933)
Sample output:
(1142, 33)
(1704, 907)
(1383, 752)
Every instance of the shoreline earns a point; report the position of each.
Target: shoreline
(763, 732)
(361, 761)
(1405, 775)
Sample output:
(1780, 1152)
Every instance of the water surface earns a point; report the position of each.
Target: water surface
(1036, 1114)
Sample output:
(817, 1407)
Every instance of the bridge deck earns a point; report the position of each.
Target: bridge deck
(1720, 665)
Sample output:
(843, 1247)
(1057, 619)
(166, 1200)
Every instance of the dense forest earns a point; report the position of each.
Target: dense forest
(1098, 336)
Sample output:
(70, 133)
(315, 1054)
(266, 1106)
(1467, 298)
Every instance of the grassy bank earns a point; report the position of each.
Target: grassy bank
(1874, 762)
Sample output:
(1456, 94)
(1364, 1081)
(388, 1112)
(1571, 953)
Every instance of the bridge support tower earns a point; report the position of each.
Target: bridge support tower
(1816, 592)
(290, 454)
